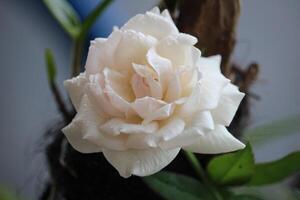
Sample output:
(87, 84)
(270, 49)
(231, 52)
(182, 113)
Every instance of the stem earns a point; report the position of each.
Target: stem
(201, 174)
(80, 39)
(196, 165)
(59, 102)
(77, 53)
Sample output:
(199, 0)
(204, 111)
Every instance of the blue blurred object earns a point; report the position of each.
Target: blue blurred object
(116, 14)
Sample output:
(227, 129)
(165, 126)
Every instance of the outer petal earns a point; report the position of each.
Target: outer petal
(177, 48)
(197, 125)
(99, 98)
(187, 137)
(117, 90)
(210, 91)
(228, 105)
(217, 141)
(206, 95)
(95, 60)
(132, 48)
(86, 123)
(173, 128)
(140, 162)
(202, 120)
(76, 88)
(76, 130)
(209, 65)
(148, 23)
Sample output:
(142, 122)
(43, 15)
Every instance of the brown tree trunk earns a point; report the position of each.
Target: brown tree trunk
(213, 22)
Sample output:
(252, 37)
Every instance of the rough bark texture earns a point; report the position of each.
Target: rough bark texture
(77, 176)
(213, 22)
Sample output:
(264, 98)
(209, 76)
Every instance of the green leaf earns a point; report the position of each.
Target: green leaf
(65, 14)
(93, 16)
(274, 130)
(174, 186)
(275, 171)
(296, 194)
(51, 67)
(6, 194)
(245, 197)
(232, 168)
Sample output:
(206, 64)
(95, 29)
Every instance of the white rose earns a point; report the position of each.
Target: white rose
(146, 93)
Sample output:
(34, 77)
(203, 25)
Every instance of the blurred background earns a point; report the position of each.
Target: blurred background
(268, 33)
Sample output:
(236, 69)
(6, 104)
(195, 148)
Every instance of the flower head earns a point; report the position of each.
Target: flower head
(146, 93)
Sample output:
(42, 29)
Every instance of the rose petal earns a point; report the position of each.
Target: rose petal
(210, 91)
(217, 141)
(75, 138)
(199, 123)
(155, 10)
(202, 120)
(188, 80)
(187, 137)
(136, 45)
(140, 162)
(177, 48)
(94, 62)
(116, 126)
(76, 88)
(160, 114)
(165, 13)
(154, 86)
(76, 130)
(173, 128)
(139, 87)
(206, 94)
(141, 141)
(161, 66)
(228, 105)
(148, 23)
(210, 65)
(195, 57)
(174, 89)
(146, 105)
(117, 89)
(96, 94)
(101, 53)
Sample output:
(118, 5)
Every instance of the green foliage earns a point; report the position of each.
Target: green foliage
(232, 168)
(275, 171)
(245, 197)
(93, 16)
(6, 194)
(65, 14)
(51, 67)
(68, 18)
(276, 129)
(174, 186)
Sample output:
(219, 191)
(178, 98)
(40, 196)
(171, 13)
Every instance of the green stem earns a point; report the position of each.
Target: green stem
(196, 165)
(80, 39)
(201, 174)
(77, 55)
(93, 16)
